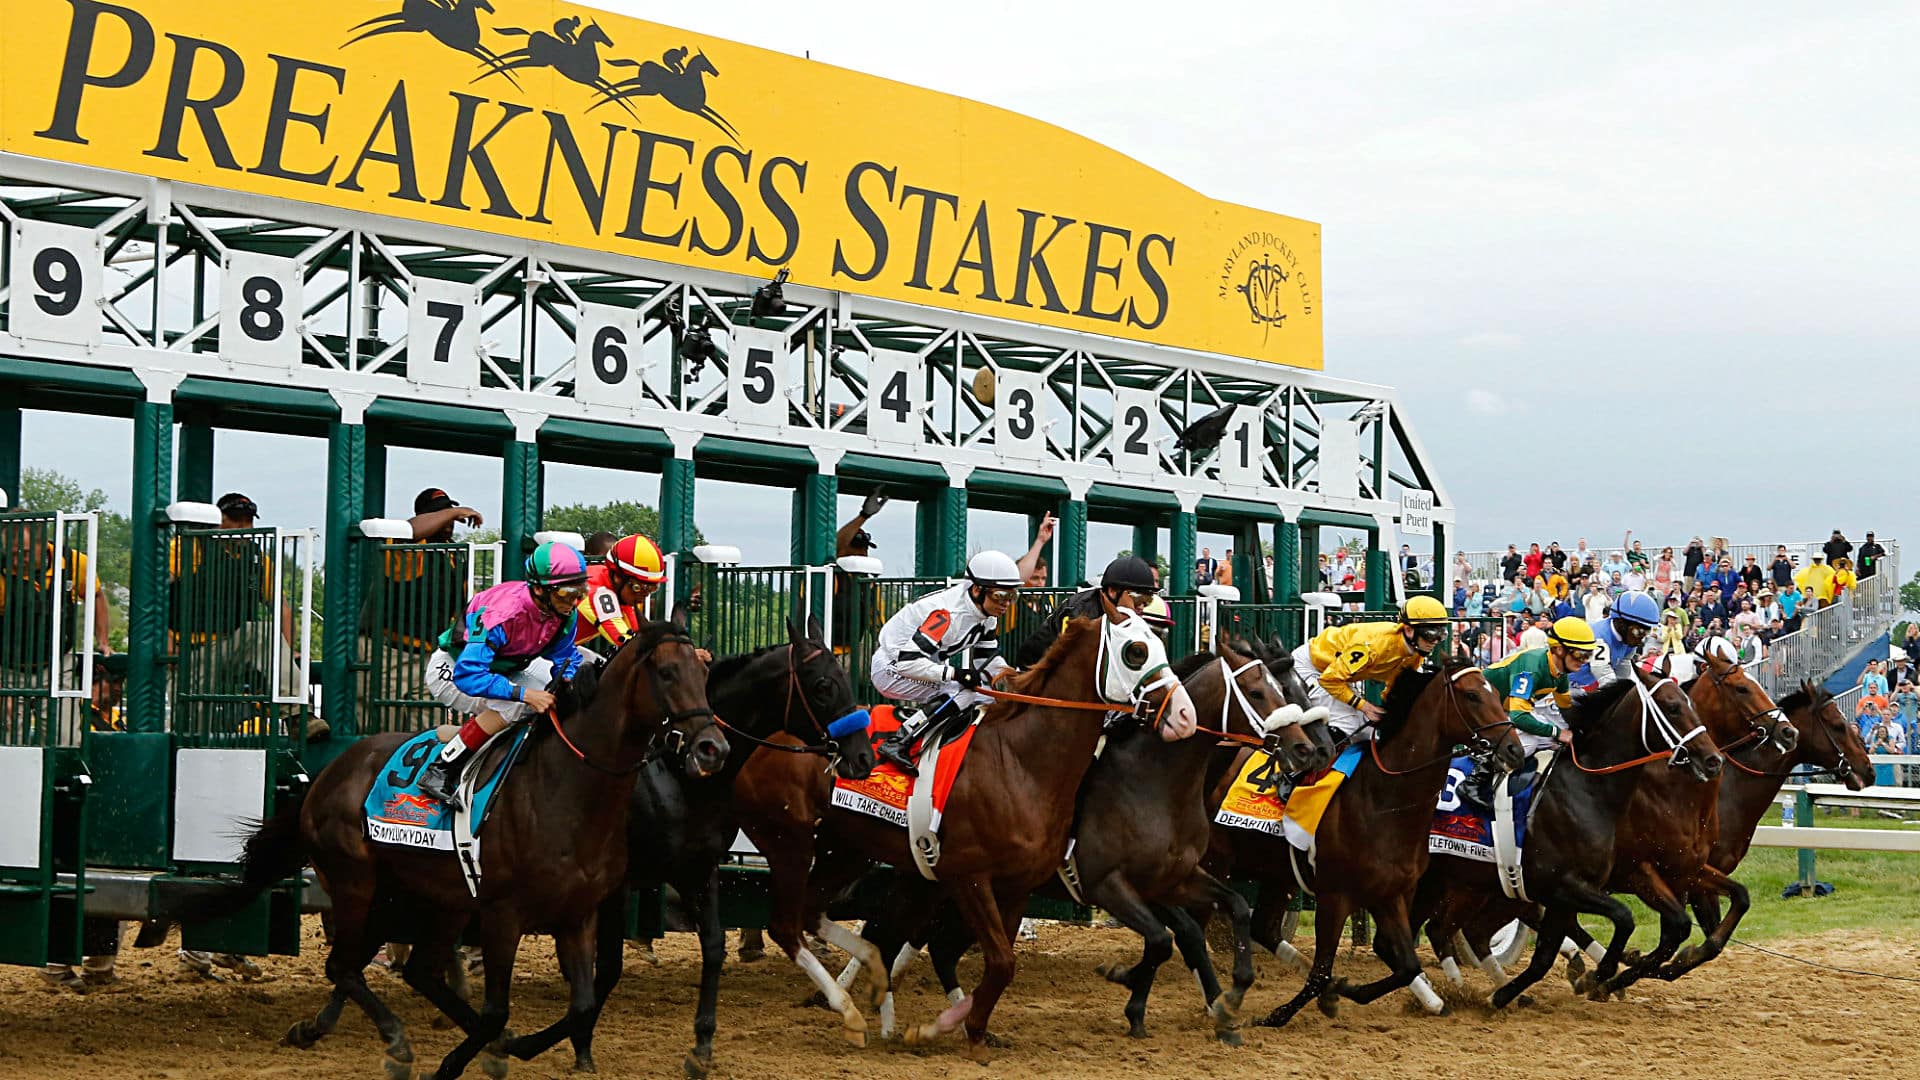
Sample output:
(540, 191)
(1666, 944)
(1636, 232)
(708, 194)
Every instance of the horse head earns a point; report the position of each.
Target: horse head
(1679, 720)
(1467, 710)
(1255, 701)
(594, 35)
(1734, 706)
(1828, 740)
(665, 683)
(700, 65)
(825, 695)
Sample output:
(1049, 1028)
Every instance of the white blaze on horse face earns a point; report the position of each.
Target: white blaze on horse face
(1180, 719)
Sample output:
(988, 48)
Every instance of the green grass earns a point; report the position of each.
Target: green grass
(1878, 891)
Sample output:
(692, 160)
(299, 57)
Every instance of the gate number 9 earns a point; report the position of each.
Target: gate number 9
(56, 274)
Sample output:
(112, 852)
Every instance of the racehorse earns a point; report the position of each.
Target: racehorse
(555, 846)
(1006, 824)
(1143, 826)
(681, 81)
(681, 828)
(1670, 825)
(1371, 844)
(1572, 835)
(455, 25)
(577, 59)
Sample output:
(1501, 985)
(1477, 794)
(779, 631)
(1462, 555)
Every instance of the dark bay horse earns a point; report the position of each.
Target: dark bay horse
(1004, 831)
(1143, 826)
(1671, 824)
(1371, 845)
(681, 828)
(1623, 735)
(555, 847)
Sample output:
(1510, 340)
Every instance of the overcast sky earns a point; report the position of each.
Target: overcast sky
(1640, 266)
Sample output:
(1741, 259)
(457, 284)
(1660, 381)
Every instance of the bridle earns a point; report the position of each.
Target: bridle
(1267, 728)
(1841, 770)
(1652, 717)
(1479, 746)
(856, 719)
(1772, 733)
(1160, 676)
(671, 740)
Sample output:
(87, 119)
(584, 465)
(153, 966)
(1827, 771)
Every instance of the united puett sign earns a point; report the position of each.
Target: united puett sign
(555, 122)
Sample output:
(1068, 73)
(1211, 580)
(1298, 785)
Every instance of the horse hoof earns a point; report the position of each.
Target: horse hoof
(979, 1052)
(397, 1070)
(493, 1065)
(302, 1035)
(1136, 1031)
(1445, 1010)
(999, 1042)
(854, 1028)
(1113, 973)
(693, 1067)
(752, 956)
(1329, 1000)
(584, 1063)
(1229, 1038)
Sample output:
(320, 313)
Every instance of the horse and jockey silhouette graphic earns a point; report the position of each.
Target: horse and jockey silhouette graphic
(573, 50)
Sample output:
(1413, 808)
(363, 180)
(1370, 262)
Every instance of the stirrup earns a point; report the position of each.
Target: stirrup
(893, 750)
(442, 783)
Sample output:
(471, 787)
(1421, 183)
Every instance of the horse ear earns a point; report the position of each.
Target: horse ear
(794, 636)
(678, 619)
(814, 631)
(1666, 665)
(1112, 610)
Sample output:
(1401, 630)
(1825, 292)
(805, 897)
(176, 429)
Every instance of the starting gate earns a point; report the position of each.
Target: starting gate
(47, 613)
(413, 593)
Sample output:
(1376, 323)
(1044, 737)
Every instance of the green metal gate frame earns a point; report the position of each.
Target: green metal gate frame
(400, 622)
(41, 721)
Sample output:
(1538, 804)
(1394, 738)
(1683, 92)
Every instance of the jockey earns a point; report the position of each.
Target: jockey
(942, 647)
(618, 589)
(1535, 684)
(1340, 658)
(1159, 615)
(1127, 582)
(1618, 637)
(495, 665)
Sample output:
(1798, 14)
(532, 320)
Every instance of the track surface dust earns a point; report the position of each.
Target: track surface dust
(1746, 1015)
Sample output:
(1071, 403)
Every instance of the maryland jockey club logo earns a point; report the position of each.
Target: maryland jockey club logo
(571, 49)
(1264, 276)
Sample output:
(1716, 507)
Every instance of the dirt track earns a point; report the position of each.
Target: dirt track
(1748, 1015)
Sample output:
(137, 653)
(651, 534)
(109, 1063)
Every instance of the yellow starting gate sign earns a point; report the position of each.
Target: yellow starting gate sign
(554, 122)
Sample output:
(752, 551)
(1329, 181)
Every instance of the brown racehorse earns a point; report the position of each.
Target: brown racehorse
(1143, 826)
(1371, 845)
(1623, 735)
(1006, 823)
(555, 845)
(1671, 824)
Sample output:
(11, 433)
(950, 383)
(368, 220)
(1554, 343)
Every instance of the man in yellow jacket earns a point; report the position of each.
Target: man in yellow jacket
(1816, 580)
(1340, 660)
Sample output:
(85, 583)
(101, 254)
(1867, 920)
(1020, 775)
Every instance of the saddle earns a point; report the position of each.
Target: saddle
(397, 813)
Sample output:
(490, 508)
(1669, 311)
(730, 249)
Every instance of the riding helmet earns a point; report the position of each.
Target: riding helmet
(994, 569)
(556, 564)
(1129, 572)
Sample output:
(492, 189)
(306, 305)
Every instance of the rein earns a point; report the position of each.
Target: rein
(674, 738)
(1373, 745)
(1052, 703)
(1648, 709)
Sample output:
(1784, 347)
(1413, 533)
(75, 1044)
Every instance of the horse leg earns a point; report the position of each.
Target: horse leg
(501, 943)
(994, 928)
(606, 975)
(426, 972)
(1329, 918)
(1675, 926)
(1224, 1008)
(888, 937)
(950, 941)
(574, 949)
(1269, 923)
(1546, 948)
(1709, 886)
(1393, 944)
(354, 944)
(1117, 896)
(713, 955)
(789, 866)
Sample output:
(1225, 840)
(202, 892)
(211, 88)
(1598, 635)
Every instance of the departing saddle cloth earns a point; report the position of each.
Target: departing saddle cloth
(1495, 834)
(1258, 798)
(916, 804)
(1308, 803)
(398, 814)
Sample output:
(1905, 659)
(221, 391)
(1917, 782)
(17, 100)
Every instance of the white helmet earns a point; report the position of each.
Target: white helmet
(3, 498)
(994, 569)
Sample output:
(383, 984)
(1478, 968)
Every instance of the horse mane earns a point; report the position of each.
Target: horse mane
(1591, 707)
(1406, 690)
(728, 667)
(1188, 666)
(1028, 681)
(1807, 695)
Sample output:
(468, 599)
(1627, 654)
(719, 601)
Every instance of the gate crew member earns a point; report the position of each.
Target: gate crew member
(495, 666)
(1128, 582)
(942, 647)
(1340, 658)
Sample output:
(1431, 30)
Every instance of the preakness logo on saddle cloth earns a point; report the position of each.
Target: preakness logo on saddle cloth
(550, 121)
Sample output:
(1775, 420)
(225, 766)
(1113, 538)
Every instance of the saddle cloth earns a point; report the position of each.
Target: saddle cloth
(1309, 802)
(916, 804)
(398, 814)
(1258, 798)
(1474, 832)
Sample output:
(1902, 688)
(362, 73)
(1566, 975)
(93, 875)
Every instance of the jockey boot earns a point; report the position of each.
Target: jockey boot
(441, 781)
(925, 725)
(1477, 790)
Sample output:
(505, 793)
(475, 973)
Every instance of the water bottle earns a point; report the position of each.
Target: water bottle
(1786, 815)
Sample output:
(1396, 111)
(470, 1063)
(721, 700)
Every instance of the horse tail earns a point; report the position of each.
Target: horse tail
(614, 61)
(275, 851)
(512, 31)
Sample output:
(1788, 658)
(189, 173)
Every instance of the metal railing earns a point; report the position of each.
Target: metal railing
(1486, 564)
(47, 587)
(743, 608)
(238, 602)
(414, 593)
(1829, 636)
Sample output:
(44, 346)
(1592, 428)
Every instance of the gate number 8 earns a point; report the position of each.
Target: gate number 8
(260, 317)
